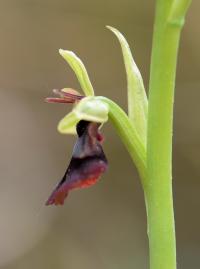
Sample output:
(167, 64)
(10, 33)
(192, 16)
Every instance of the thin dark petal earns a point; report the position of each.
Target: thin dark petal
(67, 96)
(68, 92)
(86, 166)
(59, 100)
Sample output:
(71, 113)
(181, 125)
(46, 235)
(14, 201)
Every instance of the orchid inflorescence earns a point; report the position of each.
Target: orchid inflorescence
(90, 112)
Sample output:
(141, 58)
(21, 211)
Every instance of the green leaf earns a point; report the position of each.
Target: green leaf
(79, 69)
(137, 99)
(89, 109)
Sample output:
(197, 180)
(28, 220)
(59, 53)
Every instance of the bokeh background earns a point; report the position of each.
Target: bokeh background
(103, 226)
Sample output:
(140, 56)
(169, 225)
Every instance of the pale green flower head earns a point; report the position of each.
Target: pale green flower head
(89, 109)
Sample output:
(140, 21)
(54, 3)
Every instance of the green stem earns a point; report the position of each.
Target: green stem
(158, 189)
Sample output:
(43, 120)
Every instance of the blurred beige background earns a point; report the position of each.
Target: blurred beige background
(103, 226)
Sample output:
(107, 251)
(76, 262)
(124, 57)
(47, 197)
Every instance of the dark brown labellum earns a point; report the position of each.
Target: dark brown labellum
(87, 164)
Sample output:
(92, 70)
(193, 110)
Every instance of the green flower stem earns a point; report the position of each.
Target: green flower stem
(128, 135)
(178, 11)
(158, 189)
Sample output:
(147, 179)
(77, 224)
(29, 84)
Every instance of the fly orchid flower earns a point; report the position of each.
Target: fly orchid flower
(88, 160)
(89, 113)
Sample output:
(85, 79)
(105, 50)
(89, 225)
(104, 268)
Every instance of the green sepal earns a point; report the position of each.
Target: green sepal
(67, 125)
(80, 71)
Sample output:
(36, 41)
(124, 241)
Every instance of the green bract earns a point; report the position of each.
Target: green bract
(137, 99)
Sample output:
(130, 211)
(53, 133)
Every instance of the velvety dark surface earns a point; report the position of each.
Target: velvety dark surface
(86, 166)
